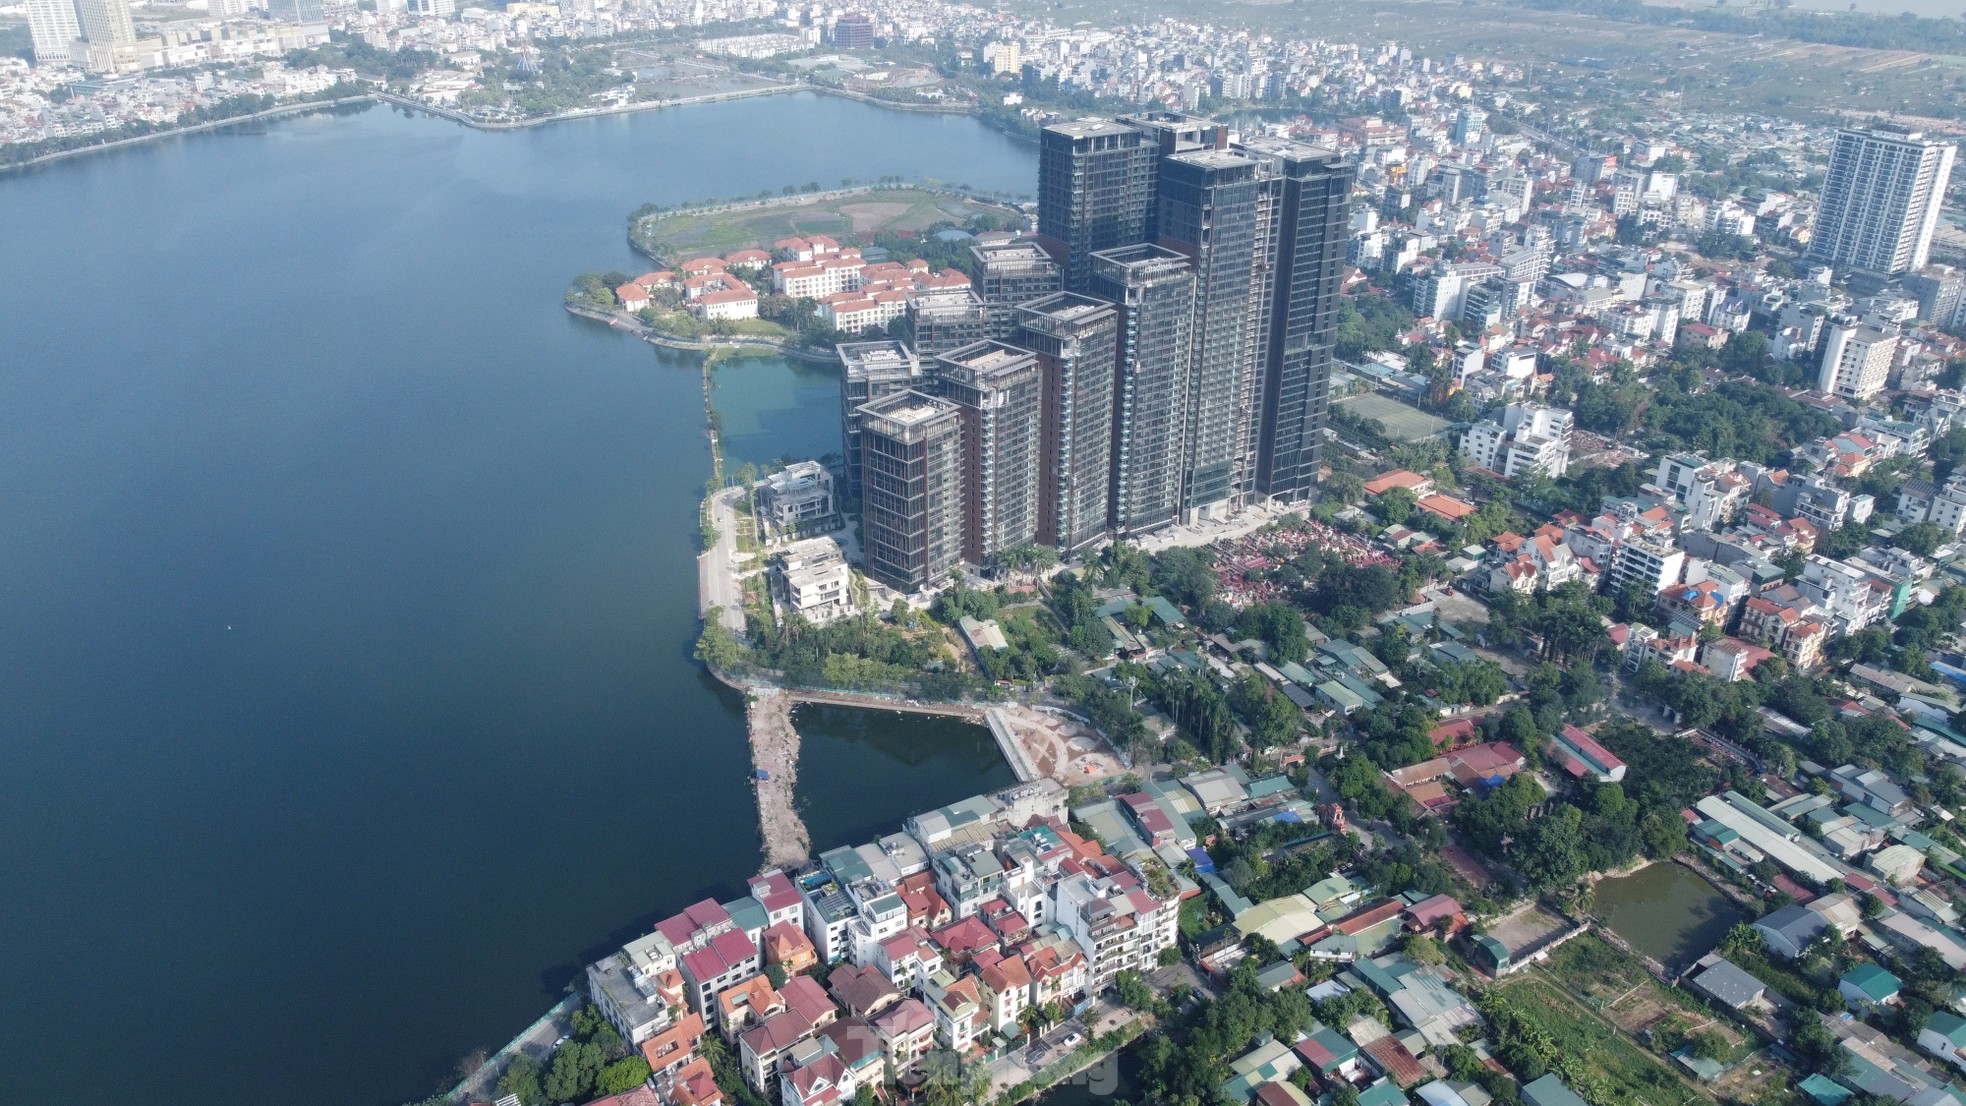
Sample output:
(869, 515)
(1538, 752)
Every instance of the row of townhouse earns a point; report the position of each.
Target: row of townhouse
(887, 292)
(944, 936)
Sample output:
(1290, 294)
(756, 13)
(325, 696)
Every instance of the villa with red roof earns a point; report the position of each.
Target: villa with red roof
(1399, 478)
(633, 296)
(712, 952)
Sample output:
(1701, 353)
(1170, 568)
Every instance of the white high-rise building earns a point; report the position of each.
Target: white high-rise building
(96, 34)
(1880, 202)
(1856, 360)
(53, 27)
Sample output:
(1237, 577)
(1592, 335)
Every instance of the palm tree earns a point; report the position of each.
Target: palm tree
(1741, 939)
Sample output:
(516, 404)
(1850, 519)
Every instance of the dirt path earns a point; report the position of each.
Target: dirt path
(775, 751)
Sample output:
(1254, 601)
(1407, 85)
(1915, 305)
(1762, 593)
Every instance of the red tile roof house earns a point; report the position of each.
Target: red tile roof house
(639, 1096)
(804, 995)
(746, 1004)
(633, 296)
(674, 1047)
(1399, 478)
(1580, 754)
(730, 303)
(1429, 913)
(907, 1031)
(787, 945)
(824, 1081)
(964, 940)
(712, 952)
(864, 991)
(747, 259)
(695, 1085)
(763, 1047)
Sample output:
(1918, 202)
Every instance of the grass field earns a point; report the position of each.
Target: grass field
(1403, 423)
(1627, 1074)
(684, 235)
(1618, 988)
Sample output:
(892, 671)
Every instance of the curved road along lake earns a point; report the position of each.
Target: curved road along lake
(345, 692)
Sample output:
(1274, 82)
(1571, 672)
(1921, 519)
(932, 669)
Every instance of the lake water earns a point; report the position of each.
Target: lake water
(771, 408)
(345, 691)
(1667, 912)
(846, 755)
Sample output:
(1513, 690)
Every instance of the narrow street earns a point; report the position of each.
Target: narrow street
(717, 568)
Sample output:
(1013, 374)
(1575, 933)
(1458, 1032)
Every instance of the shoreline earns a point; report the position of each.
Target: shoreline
(454, 116)
(298, 107)
(620, 321)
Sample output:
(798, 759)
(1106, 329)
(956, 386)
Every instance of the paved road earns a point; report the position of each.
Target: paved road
(1020, 1064)
(537, 1042)
(717, 582)
(1247, 521)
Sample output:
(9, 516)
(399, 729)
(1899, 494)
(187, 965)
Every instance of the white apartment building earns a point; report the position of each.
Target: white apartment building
(1852, 597)
(1919, 501)
(814, 581)
(817, 279)
(1649, 566)
(1522, 439)
(1119, 929)
(1856, 361)
(1880, 202)
(1712, 493)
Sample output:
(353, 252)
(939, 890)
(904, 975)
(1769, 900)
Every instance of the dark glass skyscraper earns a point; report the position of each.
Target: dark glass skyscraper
(999, 392)
(1010, 273)
(1182, 372)
(911, 508)
(1095, 186)
(1310, 190)
(1208, 211)
(869, 371)
(1155, 290)
(1075, 338)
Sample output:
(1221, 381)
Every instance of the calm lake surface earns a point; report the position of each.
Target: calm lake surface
(848, 755)
(345, 691)
(775, 407)
(1667, 912)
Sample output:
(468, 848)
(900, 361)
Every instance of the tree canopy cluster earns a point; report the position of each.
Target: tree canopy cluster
(594, 1062)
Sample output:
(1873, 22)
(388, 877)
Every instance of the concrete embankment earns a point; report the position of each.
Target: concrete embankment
(622, 321)
(1013, 750)
(536, 1041)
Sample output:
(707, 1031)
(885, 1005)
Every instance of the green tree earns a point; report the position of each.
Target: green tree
(1395, 505)
(1422, 949)
(1922, 538)
(1281, 629)
(575, 1067)
(1709, 1045)
(521, 1078)
(624, 1074)
(1133, 990)
(716, 646)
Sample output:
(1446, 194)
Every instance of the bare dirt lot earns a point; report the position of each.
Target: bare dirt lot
(1067, 751)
